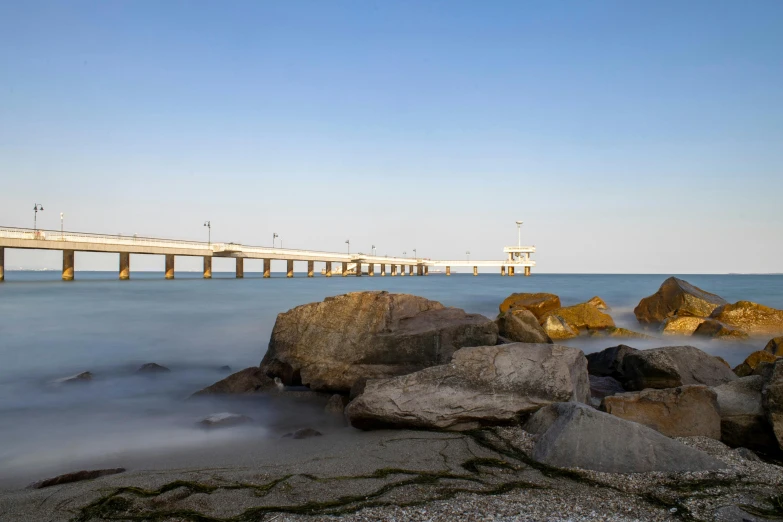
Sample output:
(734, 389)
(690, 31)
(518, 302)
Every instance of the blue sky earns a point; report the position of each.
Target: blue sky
(629, 136)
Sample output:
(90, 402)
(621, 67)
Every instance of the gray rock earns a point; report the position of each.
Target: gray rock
(673, 366)
(224, 420)
(73, 379)
(772, 399)
(336, 405)
(686, 411)
(743, 422)
(152, 368)
(249, 380)
(304, 433)
(521, 326)
(601, 387)
(77, 476)
(572, 435)
(330, 345)
(482, 386)
(609, 362)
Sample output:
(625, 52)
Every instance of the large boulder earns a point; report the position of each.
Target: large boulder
(330, 345)
(609, 362)
(538, 303)
(521, 326)
(557, 328)
(599, 303)
(717, 330)
(601, 387)
(772, 399)
(750, 317)
(685, 411)
(583, 317)
(673, 366)
(775, 346)
(482, 386)
(249, 380)
(742, 419)
(681, 325)
(676, 297)
(751, 364)
(572, 435)
(622, 333)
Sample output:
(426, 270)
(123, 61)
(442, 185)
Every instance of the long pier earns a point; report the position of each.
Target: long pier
(72, 242)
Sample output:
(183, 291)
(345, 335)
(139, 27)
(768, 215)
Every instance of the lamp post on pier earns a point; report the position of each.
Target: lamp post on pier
(414, 254)
(519, 234)
(348, 242)
(36, 208)
(61, 225)
(373, 250)
(208, 224)
(274, 236)
(467, 253)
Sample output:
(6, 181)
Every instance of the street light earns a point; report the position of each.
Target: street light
(373, 250)
(274, 235)
(208, 224)
(414, 254)
(519, 234)
(467, 253)
(348, 242)
(61, 225)
(36, 208)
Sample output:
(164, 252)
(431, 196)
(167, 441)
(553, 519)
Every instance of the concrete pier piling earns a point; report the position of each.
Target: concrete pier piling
(393, 270)
(402, 270)
(475, 270)
(419, 270)
(448, 270)
(410, 270)
(169, 266)
(511, 270)
(310, 268)
(502, 270)
(2, 264)
(125, 266)
(68, 262)
(267, 268)
(383, 270)
(240, 267)
(426, 270)
(289, 271)
(345, 269)
(207, 267)
(527, 271)
(358, 270)
(371, 269)
(328, 269)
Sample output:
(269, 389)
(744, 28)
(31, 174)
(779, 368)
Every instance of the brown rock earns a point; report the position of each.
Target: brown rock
(686, 411)
(336, 404)
(775, 346)
(673, 366)
(75, 477)
(743, 422)
(249, 380)
(681, 325)
(521, 326)
(676, 297)
(619, 332)
(539, 304)
(583, 317)
(599, 303)
(557, 328)
(750, 317)
(717, 330)
(753, 361)
(772, 400)
(330, 345)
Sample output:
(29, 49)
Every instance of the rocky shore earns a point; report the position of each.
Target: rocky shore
(439, 414)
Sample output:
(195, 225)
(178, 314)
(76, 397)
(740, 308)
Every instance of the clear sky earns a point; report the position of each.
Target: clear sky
(629, 136)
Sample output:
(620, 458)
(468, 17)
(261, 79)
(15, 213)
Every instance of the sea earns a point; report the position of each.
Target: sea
(50, 329)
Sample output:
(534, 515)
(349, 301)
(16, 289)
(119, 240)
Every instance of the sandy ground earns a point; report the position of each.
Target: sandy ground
(400, 475)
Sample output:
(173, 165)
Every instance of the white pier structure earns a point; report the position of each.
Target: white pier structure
(72, 242)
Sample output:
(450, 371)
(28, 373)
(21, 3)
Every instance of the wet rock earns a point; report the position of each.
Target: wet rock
(574, 435)
(685, 411)
(224, 420)
(619, 332)
(673, 366)
(750, 317)
(538, 303)
(609, 362)
(304, 433)
(717, 330)
(330, 345)
(676, 297)
(775, 346)
(521, 326)
(75, 477)
(598, 303)
(483, 385)
(583, 317)
(249, 380)
(743, 421)
(152, 368)
(601, 387)
(753, 361)
(73, 379)
(225, 368)
(336, 404)
(681, 325)
(772, 400)
(557, 328)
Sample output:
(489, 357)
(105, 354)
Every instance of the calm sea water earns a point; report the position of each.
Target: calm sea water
(51, 329)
